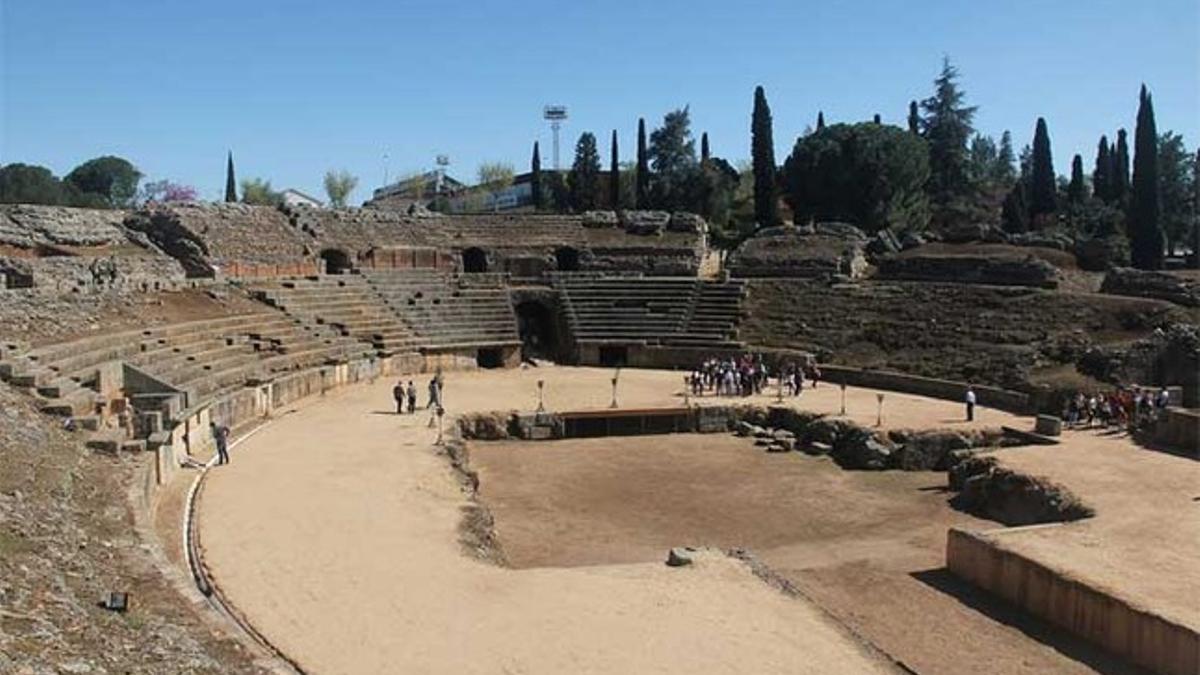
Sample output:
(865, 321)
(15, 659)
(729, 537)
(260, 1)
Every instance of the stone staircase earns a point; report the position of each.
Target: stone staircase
(346, 303)
(446, 312)
(657, 311)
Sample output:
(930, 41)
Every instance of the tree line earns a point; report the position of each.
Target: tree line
(937, 172)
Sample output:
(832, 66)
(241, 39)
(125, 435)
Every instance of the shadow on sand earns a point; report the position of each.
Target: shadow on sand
(1010, 615)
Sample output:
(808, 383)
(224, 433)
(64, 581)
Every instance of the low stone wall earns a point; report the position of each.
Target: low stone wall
(969, 269)
(66, 274)
(1180, 429)
(1150, 284)
(992, 397)
(1110, 622)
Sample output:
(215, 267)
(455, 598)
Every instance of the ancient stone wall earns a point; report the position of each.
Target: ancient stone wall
(70, 274)
(1002, 270)
(1175, 288)
(818, 252)
(989, 335)
(31, 226)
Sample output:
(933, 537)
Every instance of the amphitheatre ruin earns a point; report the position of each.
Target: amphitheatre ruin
(572, 505)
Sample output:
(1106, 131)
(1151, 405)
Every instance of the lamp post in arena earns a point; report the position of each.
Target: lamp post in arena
(616, 377)
(541, 399)
(843, 399)
(879, 414)
(441, 412)
(555, 115)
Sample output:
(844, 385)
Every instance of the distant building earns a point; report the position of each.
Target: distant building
(422, 189)
(297, 198)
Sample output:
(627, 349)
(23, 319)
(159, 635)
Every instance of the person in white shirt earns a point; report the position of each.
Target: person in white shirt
(970, 403)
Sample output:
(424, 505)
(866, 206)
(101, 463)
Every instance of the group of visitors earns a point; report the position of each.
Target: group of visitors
(402, 394)
(746, 375)
(1125, 407)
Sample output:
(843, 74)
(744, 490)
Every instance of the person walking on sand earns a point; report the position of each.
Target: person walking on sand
(970, 403)
(412, 398)
(398, 394)
(435, 397)
(220, 434)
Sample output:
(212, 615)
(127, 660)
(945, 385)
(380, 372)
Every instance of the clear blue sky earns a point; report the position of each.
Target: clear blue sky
(295, 88)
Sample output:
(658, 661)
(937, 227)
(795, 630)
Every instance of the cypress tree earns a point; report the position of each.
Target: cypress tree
(877, 119)
(1042, 187)
(762, 153)
(1145, 208)
(1076, 190)
(535, 178)
(704, 155)
(614, 175)
(820, 120)
(914, 118)
(1196, 212)
(1120, 171)
(1102, 173)
(230, 182)
(642, 196)
(1015, 212)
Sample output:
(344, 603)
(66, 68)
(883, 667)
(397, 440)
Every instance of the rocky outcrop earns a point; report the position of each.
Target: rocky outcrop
(682, 221)
(645, 222)
(600, 219)
(990, 490)
(30, 226)
(1149, 284)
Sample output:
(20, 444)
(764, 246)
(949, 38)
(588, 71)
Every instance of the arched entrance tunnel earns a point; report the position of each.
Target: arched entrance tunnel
(335, 261)
(474, 260)
(537, 323)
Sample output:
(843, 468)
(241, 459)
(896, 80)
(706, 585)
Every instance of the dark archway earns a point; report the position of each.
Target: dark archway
(474, 260)
(336, 261)
(539, 336)
(567, 259)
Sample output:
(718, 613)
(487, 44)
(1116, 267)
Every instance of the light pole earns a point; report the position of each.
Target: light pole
(615, 378)
(879, 415)
(440, 413)
(687, 384)
(843, 399)
(779, 386)
(541, 400)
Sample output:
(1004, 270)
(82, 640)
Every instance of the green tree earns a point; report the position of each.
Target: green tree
(230, 183)
(982, 158)
(762, 152)
(642, 174)
(704, 151)
(1042, 189)
(1077, 190)
(1196, 211)
(535, 177)
(820, 120)
(947, 124)
(31, 184)
(259, 192)
(1174, 167)
(1145, 207)
(672, 155)
(1004, 171)
(871, 175)
(614, 175)
(1119, 187)
(495, 175)
(114, 179)
(338, 186)
(1014, 213)
(914, 119)
(1102, 172)
(584, 178)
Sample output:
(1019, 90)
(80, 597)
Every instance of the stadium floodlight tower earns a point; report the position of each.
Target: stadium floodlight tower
(555, 114)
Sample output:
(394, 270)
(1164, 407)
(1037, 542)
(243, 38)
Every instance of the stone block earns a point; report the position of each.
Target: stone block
(1048, 425)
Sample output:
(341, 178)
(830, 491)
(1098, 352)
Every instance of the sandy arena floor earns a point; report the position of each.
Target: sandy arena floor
(335, 531)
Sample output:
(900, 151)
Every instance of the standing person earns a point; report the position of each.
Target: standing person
(435, 397)
(412, 398)
(220, 434)
(398, 394)
(815, 374)
(970, 403)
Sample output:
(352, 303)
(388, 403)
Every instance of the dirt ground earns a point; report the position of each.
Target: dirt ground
(337, 525)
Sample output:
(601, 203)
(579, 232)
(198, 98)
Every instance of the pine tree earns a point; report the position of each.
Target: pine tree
(1076, 190)
(584, 178)
(762, 152)
(1042, 185)
(704, 154)
(877, 119)
(1145, 208)
(1120, 172)
(535, 178)
(1102, 173)
(914, 118)
(614, 175)
(642, 195)
(1006, 160)
(948, 126)
(230, 182)
(820, 120)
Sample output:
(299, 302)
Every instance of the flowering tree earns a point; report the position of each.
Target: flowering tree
(166, 191)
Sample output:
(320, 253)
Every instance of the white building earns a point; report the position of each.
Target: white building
(297, 198)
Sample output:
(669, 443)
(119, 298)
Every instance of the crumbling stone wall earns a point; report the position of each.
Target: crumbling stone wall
(29, 226)
(989, 334)
(1175, 288)
(1003, 270)
(825, 250)
(67, 274)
